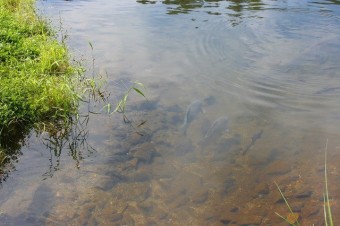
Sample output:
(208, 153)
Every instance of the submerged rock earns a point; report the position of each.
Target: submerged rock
(278, 168)
(127, 220)
(180, 201)
(135, 138)
(229, 185)
(250, 220)
(234, 209)
(226, 147)
(144, 152)
(108, 184)
(116, 217)
(310, 210)
(148, 105)
(225, 221)
(262, 189)
(183, 147)
(296, 207)
(140, 176)
(160, 214)
(200, 197)
(146, 207)
(303, 194)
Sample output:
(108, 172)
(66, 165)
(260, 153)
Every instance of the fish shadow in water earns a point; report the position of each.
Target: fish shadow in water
(193, 110)
(215, 132)
(217, 128)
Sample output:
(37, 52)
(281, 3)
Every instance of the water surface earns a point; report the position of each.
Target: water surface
(269, 66)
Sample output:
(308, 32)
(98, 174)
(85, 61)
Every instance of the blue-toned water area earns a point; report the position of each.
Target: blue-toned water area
(242, 103)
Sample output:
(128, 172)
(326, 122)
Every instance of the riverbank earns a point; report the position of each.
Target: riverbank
(37, 79)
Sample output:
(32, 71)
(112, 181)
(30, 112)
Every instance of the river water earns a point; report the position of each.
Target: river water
(259, 83)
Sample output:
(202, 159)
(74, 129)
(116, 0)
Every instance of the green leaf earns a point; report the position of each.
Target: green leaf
(138, 91)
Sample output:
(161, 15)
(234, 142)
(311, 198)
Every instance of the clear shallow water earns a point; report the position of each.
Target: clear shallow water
(265, 65)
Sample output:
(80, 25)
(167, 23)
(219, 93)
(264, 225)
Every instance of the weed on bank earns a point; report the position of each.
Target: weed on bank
(37, 82)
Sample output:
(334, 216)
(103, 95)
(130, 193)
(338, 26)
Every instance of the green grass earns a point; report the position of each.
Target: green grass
(39, 89)
(36, 77)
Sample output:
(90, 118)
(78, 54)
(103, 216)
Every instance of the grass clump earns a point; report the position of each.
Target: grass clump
(37, 82)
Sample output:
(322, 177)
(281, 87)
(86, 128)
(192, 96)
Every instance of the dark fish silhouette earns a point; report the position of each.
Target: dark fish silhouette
(192, 111)
(255, 137)
(219, 125)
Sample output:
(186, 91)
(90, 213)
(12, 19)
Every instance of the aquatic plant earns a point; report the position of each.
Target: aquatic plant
(121, 105)
(292, 218)
(326, 207)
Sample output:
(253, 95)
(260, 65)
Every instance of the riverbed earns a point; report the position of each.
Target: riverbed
(255, 84)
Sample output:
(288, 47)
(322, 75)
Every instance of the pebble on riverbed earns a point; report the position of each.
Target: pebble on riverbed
(278, 167)
(303, 194)
(262, 189)
(249, 220)
(296, 207)
(144, 153)
(310, 210)
(234, 209)
(200, 197)
(135, 138)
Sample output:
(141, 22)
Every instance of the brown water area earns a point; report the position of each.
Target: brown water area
(240, 95)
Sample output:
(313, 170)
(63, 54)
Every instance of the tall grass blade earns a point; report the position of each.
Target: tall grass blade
(284, 198)
(324, 210)
(118, 106)
(287, 204)
(328, 213)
